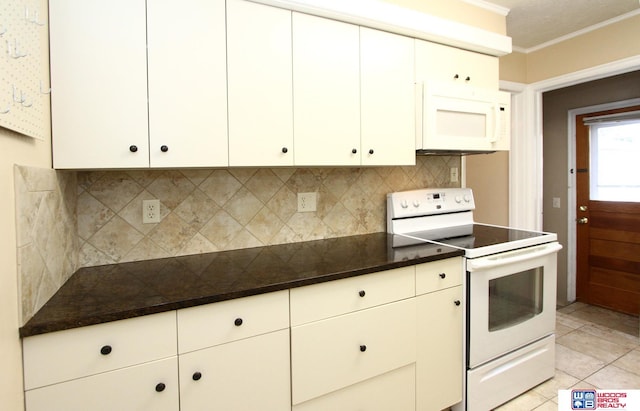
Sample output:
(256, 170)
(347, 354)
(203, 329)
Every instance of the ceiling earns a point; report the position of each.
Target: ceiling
(531, 23)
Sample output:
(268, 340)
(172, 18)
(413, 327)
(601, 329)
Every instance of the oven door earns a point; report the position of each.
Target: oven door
(512, 300)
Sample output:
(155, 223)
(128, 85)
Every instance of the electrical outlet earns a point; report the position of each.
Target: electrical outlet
(454, 174)
(307, 202)
(150, 211)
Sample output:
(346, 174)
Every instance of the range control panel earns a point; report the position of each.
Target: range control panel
(429, 201)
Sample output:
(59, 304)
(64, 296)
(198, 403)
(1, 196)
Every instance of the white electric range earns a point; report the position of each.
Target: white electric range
(510, 290)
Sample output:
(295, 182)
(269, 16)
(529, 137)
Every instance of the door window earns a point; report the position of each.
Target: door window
(515, 298)
(615, 169)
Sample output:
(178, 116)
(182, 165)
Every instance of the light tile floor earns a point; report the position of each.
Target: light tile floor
(595, 348)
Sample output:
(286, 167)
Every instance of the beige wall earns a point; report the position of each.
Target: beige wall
(488, 176)
(605, 45)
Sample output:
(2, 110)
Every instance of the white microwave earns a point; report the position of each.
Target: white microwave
(457, 117)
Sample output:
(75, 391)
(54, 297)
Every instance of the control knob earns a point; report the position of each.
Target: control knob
(458, 199)
(467, 198)
(404, 204)
(416, 203)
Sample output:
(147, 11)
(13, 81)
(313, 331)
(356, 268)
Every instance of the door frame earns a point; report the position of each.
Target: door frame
(525, 168)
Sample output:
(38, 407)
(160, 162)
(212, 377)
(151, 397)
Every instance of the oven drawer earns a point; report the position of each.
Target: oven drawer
(500, 380)
(218, 323)
(65, 355)
(320, 301)
(332, 354)
(438, 275)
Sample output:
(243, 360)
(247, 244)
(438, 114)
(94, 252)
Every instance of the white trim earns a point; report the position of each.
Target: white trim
(494, 8)
(528, 144)
(578, 33)
(393, 18)
(571, 248)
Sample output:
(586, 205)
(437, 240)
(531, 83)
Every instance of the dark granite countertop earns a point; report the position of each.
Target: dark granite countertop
(105, 293)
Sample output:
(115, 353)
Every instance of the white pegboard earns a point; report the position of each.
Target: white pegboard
(24, 68)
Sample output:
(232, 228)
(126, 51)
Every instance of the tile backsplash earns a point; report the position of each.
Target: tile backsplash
(67, 220)
(46, 234)
(220, 209)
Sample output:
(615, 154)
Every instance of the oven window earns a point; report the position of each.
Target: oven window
(515, 298)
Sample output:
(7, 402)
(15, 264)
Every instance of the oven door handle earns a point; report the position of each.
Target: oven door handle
(511, 257)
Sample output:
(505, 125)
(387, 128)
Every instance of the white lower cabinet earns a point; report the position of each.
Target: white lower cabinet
(150, 386)
(389, 340)
(246, 375)
(394, 390)
(439, 362)
(335, 353)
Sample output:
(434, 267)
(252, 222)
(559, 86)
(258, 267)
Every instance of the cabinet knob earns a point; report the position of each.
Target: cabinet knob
(371, 151)
(456, 77)
(361, 293)
(285, 150)
(160, 387)
(363, 348)
(164, 149)
(133, 148)
(106, 350)
(354, 151)
(196, 376)
(238, 322)
(442, 275)
(467, 79)
(457, 302)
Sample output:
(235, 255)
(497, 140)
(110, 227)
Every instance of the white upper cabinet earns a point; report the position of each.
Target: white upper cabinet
(99, 84)
(387, 98)
(260, 85)
(326, 91)
(99, 71)
(437, 62)
(187, 83)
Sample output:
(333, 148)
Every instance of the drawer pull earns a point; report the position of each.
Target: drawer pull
(442, 275)
(160, 387)
(106, 350)
(363, 348)
(238, 322)
(133, 148)
(361, 293)
(196, 376)
(164, 149)
(457, 302)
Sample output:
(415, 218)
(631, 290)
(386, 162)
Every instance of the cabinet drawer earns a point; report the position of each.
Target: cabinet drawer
(438, 275)
(320, 301)
(218, 323)
(335, 353)
(132, 388)
(79, 352)
(394, 390)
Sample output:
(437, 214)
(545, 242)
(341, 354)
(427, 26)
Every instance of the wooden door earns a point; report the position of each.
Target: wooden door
(608, 238)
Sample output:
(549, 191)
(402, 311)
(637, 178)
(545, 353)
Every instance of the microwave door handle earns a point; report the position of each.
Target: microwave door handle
(511, 257)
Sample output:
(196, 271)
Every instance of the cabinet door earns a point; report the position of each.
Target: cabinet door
(246, 375)
(151, 386)
(187, 83)
(99, 84)
(326, 91)
(445, 63)
(260, 85)
(439, 369)
(387, 98)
